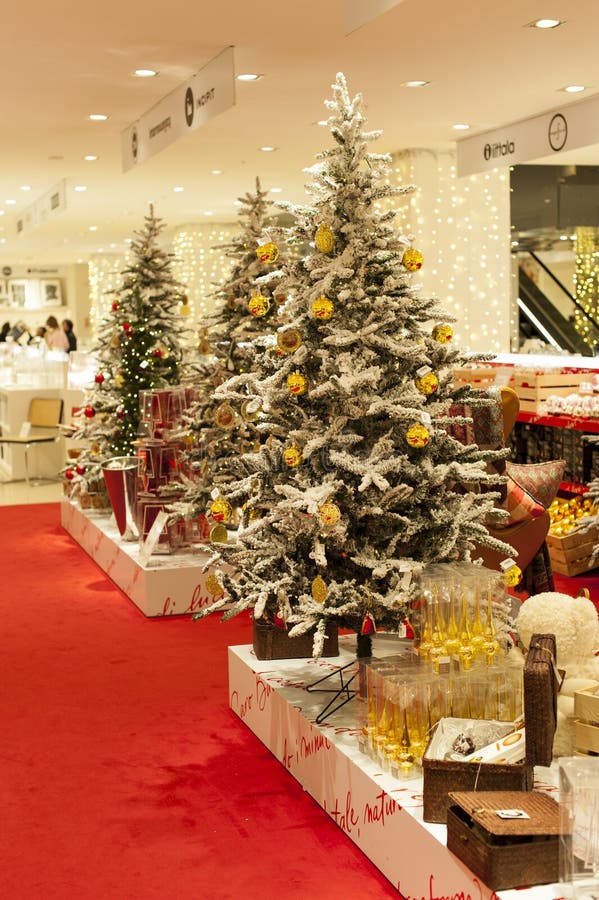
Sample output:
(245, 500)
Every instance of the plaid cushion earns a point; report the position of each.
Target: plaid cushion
(520, 505)
(541, 480)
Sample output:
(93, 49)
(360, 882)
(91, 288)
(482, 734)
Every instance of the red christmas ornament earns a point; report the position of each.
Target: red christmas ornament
(120, 413)
(69, 474)
(99, 379)
(80, 470)
(157, 353)
(127, 327)
(279, 621)
(89, 412)
(368, 624)
(115, 305)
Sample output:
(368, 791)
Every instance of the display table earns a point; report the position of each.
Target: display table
(167, 586)
(381, 814)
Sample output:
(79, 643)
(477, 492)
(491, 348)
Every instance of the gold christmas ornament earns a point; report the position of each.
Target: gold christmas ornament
(292, 456)
(258, 305)
(329, 513)
(184, 308)
(323, 238)
(442, 334)
(512, 573)
(280, 299)
(319, 590)
(218, 534)
(115, 341)
(427, 384)
(224, 416)
(297, 383)
(187, 440)
(213, 585)
(221, 510)
(412, 260)
(250, 410)
(417, 435)
(289, 341)
(323, 308)
(268, 253)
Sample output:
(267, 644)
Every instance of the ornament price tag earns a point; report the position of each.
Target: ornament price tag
(425, 418)
(422, 371)
(153, 537)
(406, 581)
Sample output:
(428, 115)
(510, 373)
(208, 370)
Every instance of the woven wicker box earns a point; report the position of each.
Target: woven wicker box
(274, 643)
(505, 852)
(440, 776)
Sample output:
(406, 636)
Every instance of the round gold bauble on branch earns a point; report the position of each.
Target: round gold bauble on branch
(418, 435)
(292, 456)
(297, 383)
(318, 590)
(512, 573)
(412, 260)
(115, 341)
(258, 305)
(427, 383)
(221, 510)
(323, 238)
(118, 380)
(224, 416)
(442, 334)
(323, 308)
(218, 534)
(213, 585)
(289, 341)
(268, 253)
(251, 409)
(329, 513)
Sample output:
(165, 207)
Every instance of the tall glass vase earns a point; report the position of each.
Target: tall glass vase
(121, 477)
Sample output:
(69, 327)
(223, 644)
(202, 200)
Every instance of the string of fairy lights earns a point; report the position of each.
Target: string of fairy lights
(200, 263)
(586, 281)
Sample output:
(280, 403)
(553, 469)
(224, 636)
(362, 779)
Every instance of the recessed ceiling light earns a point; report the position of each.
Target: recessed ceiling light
(25, 187)
(461, 126)
(574, 88)
(10, 202)
(93, 227)
(414, 83)
(2, 240)
(276, 190)
(79, 260)
(90, 157)
(563, 237)
(249, 76)
(237, 203)
(80, 188)
(1, 212)
(545, 23)
(267, 149)
(178, 189)
(128, 241)
(216, 172)
(97, 117)
(572, 237)
(145, 73)
(321, 122)
(208, 212)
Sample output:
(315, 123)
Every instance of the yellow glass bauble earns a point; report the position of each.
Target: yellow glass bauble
(292, 456)
(185, 309)
(268, 253)
(258, 305)
(224, 416)
(250, 410)
(221, 510)
(329, 513)
(323, 308)
(289, 341)
(297, 383)
(512, 575)
(118, 381)
(442, 334)
(218, 534)
(428, 384)
(319, 590)
(213, 585)
(417, 435)
(323, 238)
(412, 260)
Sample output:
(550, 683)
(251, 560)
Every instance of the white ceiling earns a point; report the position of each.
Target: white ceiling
(61, 61)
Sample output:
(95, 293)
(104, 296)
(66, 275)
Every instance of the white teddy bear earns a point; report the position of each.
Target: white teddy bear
(575, 624)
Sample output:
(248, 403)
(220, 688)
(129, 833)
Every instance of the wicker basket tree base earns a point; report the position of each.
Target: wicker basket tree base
(271, 642)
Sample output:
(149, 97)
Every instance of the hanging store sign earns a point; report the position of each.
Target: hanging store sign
(359, 12)
(568, 128)
(210, 92)
(46, 208)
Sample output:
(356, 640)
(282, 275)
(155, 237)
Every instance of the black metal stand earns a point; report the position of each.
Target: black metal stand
(338, 693)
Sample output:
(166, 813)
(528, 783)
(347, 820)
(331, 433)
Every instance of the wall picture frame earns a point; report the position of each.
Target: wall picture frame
(51, 292)
(18, 292)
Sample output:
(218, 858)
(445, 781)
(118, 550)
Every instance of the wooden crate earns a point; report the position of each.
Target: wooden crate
(571, 553)
(586, 726)
(478, 376)
(533, 388)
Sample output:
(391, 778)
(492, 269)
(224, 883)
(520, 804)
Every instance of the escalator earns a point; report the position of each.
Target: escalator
(540, 316)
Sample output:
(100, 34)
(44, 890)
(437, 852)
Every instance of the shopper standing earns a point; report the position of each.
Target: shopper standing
(55, 336)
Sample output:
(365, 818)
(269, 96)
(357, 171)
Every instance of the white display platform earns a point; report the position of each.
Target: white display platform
(169, 585)
(381, 814)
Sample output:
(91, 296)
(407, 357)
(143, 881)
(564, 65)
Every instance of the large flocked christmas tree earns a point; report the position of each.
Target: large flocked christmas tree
(223, 431)
(359, 484)
(140, 345)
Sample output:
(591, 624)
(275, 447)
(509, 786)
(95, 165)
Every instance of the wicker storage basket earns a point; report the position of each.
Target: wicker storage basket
(505, 852)
(441, 776)
(274, 643)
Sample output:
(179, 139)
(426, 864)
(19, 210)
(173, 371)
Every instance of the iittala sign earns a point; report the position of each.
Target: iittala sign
(210, 92)
(568, 128)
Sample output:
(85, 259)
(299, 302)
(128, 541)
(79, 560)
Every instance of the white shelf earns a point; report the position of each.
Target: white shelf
(380, 814)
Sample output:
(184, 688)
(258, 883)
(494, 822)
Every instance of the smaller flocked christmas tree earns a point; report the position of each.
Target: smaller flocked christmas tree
(246, 307)
(360, 483)
(140, 346)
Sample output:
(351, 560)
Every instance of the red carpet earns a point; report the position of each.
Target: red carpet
(123, 772)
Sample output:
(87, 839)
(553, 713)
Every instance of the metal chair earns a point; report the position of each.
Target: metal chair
(40, 427)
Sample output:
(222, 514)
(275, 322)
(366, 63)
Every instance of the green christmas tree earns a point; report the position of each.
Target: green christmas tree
(360, 483)
(223, 431)
(140, 345)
